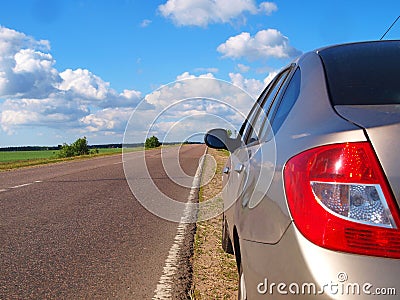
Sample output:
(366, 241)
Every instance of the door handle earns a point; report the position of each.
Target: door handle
(239, 168)
(226, 170)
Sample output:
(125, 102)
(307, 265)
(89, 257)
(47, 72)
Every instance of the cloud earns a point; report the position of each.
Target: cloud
(243, 68)
(34, 93)
(204, 12)
(269, 43)
(110, 119)
(195, 104)
(145, 23)
(208, 70)
(25, 68)
(268, 8)
(252, 86)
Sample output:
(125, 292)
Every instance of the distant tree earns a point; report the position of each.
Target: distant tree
(152, 142)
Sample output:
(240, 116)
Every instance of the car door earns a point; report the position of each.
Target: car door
(240, 172)
(259, 217)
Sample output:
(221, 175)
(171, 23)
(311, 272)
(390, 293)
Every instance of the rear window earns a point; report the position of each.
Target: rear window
(363, 73)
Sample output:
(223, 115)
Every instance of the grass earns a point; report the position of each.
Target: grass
(214, 272)
(9, 156)
(18, 159)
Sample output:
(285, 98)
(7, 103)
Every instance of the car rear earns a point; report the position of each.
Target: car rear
(337, 156)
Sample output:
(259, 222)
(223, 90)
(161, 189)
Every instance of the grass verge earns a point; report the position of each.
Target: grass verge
(214, 271)
(17, 159)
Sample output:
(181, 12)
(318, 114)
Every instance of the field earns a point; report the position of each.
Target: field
(16, 159)
(9, 156)
(12, 156)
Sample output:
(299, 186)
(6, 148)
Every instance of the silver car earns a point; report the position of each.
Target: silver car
(312, 187)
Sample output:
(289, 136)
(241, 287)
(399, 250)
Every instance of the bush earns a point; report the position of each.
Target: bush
(79, 147)
(152, 142)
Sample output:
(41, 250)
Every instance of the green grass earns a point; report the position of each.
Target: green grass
(10, 156)
(17, 159)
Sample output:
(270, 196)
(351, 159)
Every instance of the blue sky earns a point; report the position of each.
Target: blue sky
(74, 68)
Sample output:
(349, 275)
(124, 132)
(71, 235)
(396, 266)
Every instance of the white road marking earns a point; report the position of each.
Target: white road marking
(20, 186)
(164, 286)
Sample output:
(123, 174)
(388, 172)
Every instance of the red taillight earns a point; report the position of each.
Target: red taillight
(339, 199)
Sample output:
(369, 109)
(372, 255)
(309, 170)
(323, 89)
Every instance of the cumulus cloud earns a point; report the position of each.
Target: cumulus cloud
(195, 104)
(35, 93)
(26, 69)
(203, 12)
(269, 43)
(109, 119)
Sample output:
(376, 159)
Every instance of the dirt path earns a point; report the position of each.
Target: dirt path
(214, 271)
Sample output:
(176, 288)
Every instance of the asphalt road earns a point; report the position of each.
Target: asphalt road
(75, 231)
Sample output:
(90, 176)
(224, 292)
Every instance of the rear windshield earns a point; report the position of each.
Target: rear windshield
(363, 73)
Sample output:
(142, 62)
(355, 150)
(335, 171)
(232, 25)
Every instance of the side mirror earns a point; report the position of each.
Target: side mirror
(219, 139)
(216, 138)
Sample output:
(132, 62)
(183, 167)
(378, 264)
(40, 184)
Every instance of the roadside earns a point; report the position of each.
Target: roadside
(214, 271)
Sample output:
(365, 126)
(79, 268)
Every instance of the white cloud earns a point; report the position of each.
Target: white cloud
(269, 43)
(208, 70)
(145, 23)
(109, 119)
(33, 93)
(270, 76)
(243, 68)
(84, 83)
(268, 8)
(195, 104)
(203, 12)
(250, 85)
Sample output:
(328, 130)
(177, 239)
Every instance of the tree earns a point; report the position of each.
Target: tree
(79, 147)
(152, 142)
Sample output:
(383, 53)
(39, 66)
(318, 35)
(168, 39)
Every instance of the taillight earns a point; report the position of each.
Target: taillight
(339, 199)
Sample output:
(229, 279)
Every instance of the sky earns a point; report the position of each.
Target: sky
(122, 70)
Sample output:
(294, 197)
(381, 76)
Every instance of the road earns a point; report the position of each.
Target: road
(74, 230)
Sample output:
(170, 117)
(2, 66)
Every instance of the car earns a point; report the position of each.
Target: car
(312, 185)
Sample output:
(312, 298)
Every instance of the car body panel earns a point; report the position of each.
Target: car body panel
(382, 124)
(338, 272)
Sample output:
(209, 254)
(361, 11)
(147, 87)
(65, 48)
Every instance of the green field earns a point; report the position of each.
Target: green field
(17, 159)
(12, 156)
(9, 156)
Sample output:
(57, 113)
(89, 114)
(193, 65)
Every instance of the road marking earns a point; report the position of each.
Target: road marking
(164, 286)
(21, 185)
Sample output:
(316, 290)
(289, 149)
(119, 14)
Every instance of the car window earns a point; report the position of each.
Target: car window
(260, 114)
(363, 73)
(285, 104)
